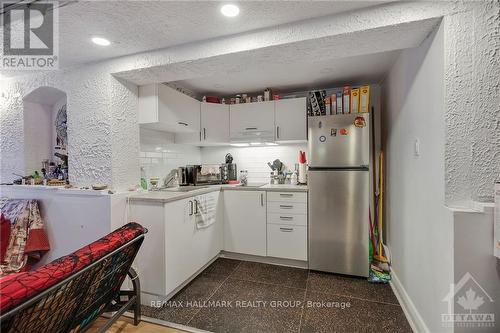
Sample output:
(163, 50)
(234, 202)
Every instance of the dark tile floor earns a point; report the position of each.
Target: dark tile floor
(241, 296)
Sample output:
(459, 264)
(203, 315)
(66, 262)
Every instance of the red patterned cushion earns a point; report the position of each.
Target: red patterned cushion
(17, 288)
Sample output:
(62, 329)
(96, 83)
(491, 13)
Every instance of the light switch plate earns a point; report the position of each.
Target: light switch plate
(417, 147)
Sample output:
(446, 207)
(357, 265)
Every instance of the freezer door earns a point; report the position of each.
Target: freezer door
(339, 140)
(338, 221)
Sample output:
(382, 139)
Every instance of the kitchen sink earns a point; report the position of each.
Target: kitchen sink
(183, 188)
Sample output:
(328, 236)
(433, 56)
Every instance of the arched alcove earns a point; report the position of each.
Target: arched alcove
(45, 133)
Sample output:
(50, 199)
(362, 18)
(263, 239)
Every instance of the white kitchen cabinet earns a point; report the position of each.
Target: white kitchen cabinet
(287, 225)
(286, 218)
(174, 248)
(252, 121)
(245, 222)
(214, 123)
(164, 108)
(290, 115)
(299, 197)
(150, 260)
(188, 248)
(207, 241)
(179, 235)
(287, 241)
(287, 207)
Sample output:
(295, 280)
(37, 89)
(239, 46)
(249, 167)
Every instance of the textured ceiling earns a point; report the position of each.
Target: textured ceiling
(137, 26)
(370, 68)
(358, 56)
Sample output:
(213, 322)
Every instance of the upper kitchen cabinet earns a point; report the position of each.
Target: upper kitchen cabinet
(166, 109)
(252, 121)
(214, 123)
(290, 115)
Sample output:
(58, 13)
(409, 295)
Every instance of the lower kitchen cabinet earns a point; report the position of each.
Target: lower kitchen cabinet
(187, 247)
(287, 225)
(245, 222)
(287, 241)
(174, 248)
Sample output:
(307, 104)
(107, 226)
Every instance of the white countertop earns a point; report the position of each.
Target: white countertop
(169, 196)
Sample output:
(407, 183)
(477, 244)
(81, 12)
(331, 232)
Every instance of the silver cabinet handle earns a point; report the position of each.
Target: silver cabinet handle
(190, 207)
(286, 195)
(250, 128)
(286, 229)
(204, 133)
(277, 132)
(196, 206)
(182, 123)
(262, 199)
(286, 206)
(286, 218)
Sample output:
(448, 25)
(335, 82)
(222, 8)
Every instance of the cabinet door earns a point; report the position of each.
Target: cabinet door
(251, 118)
(181, 261)
(150, 260)
(291, 119)
(287, 241)
(208, 240)
(214, 123)
(178, 111)
(245, 222)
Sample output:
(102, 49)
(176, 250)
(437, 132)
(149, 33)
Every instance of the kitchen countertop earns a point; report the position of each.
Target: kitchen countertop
(169, 196)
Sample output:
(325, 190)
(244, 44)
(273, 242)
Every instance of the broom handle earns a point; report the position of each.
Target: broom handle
(381, 199)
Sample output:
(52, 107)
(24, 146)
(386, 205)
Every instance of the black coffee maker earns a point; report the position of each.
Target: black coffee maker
(229, 171)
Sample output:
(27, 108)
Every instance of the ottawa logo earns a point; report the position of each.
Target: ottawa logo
(469, 305)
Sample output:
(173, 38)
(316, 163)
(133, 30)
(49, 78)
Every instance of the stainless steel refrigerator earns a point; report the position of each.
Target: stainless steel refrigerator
(339, 193)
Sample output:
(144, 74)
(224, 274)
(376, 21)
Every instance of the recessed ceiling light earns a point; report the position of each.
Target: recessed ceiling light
(230, 10)
(239, 144)
(100, 41)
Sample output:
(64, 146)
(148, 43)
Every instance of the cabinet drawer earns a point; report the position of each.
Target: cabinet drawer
(285, 241)
(285, 218)
(286, 207)
(287, 196)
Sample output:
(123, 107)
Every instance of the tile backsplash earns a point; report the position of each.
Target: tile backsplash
(159, 154)
(254, 159)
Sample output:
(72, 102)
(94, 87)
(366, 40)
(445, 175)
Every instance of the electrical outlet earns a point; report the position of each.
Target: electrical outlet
(416, 151)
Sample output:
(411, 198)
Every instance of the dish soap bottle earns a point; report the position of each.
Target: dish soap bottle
(144, 183)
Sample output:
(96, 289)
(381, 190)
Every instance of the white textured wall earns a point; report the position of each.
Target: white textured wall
(419, 226)
(38, 143)
(472, 101)
(254, 159)
(103, 134)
